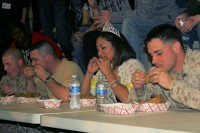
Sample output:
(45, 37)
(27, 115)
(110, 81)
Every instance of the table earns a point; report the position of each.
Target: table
(157, 122)
(30, 113)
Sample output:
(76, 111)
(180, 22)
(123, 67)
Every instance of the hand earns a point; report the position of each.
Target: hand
(78, 36)
(7, 89)
(104, 65)
(103, 17)
(41, 73)
(161, 77)
(29, 72)
(182, 17)
(190, 23)
(138, 79)
(93, 66)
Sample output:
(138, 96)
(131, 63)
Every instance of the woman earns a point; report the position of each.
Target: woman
(116, 63)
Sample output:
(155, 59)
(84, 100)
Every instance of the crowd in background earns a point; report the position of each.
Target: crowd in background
(101, 38)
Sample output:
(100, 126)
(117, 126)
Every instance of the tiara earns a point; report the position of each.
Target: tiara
(108, 27)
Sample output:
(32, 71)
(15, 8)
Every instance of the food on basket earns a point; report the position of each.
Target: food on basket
(147, 78)
(155, 98)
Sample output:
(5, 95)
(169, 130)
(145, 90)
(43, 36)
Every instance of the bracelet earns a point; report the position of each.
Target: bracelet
(112, 82)
(114, 85)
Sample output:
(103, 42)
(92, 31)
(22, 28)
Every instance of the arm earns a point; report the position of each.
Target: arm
(58, 90)
(24, 14)
(85, 87)
(86, 18)
(91, 69)
(186, 94)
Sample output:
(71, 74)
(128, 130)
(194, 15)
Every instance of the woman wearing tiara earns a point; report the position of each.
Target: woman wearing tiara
(116, 63)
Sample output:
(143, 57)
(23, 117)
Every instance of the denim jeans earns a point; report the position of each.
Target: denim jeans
(135, 30)
(54, 13)
(196, 33)
(78, 51)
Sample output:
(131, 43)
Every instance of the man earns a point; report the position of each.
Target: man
(15, 81)
(176, 73)
(54, 74)
(191, 20)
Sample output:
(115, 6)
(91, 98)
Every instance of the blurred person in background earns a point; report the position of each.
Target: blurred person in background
(191, 21)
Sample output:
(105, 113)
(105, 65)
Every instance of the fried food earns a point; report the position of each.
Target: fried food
(155, 98)
(147, 78)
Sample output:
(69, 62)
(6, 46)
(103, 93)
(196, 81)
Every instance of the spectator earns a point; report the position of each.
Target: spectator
(54, 74)
(23, 41)
(56, 13)
(191, 19)
(176, 72)
(15, 81)
(116, 62)
(147, 14)
(90, 10)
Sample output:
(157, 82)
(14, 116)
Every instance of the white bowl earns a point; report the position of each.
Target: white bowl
(86, 102)
(49, 103)
(26, 100)
(152, 107)
(119, 108)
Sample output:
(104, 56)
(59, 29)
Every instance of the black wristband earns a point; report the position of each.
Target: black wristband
(47, 79)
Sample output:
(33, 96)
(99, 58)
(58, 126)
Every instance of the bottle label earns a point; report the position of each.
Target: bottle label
(101, 92)
(75, 89)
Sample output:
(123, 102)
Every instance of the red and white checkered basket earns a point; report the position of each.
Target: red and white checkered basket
(119, 108)
(49, 103)
(152, 107)
(8, 99)
(26, 100)
(86, 102)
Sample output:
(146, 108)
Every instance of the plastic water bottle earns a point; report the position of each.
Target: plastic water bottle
(74, 93)
(185, 36)
(101, 92)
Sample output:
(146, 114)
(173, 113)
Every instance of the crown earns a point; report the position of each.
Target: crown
(108, 27)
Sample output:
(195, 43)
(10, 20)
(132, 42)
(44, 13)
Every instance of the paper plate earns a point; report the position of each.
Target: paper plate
(119, 108)
(8, 99)
(25, 100)
(152, 107)
(85, 102)
(49, 103)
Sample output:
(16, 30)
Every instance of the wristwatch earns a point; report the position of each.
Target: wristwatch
(47, 79)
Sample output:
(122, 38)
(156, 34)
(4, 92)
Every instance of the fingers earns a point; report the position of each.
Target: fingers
(156, 74)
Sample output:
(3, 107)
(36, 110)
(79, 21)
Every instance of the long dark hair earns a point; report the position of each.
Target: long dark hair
(123, 50)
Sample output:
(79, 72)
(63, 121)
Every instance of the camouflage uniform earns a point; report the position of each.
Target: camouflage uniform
(185, 91)
(19, 83)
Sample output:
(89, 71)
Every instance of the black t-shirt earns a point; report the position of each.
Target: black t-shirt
(11, 10)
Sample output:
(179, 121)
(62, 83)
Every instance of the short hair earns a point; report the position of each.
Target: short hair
(166, 33)
(15, 53)
(123, 50)
(44, 48)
